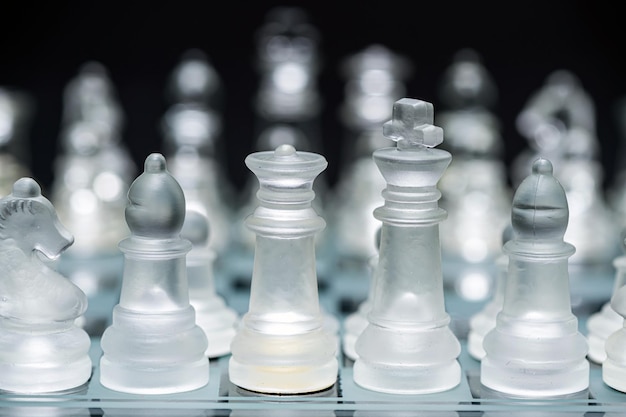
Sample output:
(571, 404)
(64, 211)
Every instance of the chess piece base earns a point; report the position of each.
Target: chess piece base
(406, 379)
(480, 325)
(283, 364)
(535, 380)
(154, 380)
(600, 326)
(153, 353)
(614, 375)
(220, 328)
(354, 325)
(299, 379)
(44, 362)
(417, 360)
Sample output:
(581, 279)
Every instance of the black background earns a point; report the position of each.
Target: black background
(43, 45)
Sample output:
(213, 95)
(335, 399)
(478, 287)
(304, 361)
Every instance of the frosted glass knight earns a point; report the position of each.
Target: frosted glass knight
(41, 348)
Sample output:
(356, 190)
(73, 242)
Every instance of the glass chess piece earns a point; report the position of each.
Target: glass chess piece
(271, 138)
(195, 80)
(561, 103)
(288, 102)
(614, 364)
(484, 321)
(15, 115)
(536, 349)
(288, 61)
(616, 188)
(191, 131)
(603, 323)
(92, 173)
(153, 345)
(42, 350)
(91, 180)
(282, 345)
(408, 346)
(375, 79)
(287, 105)
(356, 322)
(592, 223)
(475, 190)
(559, 123)
(212, 314)
(91, 95)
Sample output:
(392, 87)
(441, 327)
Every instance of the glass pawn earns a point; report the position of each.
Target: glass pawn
(42, 349)
(485, 320)
(282, 345)
(212, 314)
(356, 322)
(153, 345)
(607, 321)
(536, 350)
(614, 365)
(408, 346)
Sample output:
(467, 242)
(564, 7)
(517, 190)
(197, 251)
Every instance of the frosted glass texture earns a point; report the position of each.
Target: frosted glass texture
(41, 348)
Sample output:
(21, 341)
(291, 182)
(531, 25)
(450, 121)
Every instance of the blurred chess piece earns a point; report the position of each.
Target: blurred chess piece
(614, 364)
(195, 80)
(592, 223)
(92, 173)
(91, 95)
(475, 190)
(212, 314)
(603, 323)
(191, 131)
(616, 190)
(153, 345)
(559, 124)
(288, 62)
(16, 110)
(557, 106)
(42, 350)
(484, 321)
(375, 78)
(356, 322)
(93, 169)
(288, 102)
(536, 350)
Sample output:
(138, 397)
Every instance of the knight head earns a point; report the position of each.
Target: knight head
(29, 221)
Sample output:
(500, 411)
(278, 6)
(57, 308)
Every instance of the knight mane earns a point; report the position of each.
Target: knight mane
(10, 206)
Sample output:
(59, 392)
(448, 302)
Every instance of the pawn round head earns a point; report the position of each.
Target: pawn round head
(156, 203)
(540, 210)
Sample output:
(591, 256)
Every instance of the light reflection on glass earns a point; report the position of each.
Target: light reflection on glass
(108, 186)
(474, 286)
